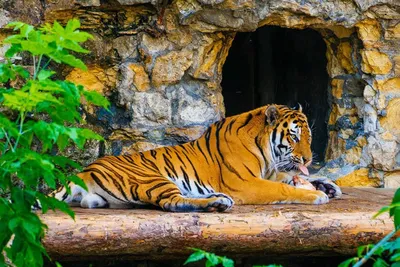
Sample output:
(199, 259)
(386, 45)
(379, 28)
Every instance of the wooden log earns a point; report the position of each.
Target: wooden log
(338, 227)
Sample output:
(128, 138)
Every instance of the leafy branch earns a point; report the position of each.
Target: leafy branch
(40, 111)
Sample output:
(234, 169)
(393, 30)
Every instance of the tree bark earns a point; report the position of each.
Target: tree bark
(337, 227)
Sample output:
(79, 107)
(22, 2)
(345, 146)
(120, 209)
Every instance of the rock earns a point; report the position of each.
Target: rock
(382, 153)
(183, 135)
(133, 78)
(126, 47)
(337, 88)
(358, 178)
(94, 79)
(220, 18)
(192, 108)
(210, 2)
(140, 78)
(340, 31)
(369, 94)
(206, 60)
(127, 134)
(393, 33)
(88, 2)
(169, 69)
(370, 119)
(3, 47)
(392, 180)
(375, 62)
(334, 67)
(354, 86)
(5, 18)
(391, 122)
(369, 31)
(136, 2)
(344, 57)
(139, 147)
(150, 48)
(150, 109)
(397, 66)
(389, 86)
(353, 155)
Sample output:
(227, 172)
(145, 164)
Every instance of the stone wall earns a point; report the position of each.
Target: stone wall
(160, 63)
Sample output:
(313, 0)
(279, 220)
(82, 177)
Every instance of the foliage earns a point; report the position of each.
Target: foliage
(38, 110)
(214, 260)
(385, 252)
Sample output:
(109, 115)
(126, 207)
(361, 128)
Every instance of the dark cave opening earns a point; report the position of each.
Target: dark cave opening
(282, 66)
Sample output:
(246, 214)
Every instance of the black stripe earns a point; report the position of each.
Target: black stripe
(186, 177)
(167, 194)
(170, 165)
(250, 171)
(153, 154)
(199, 188)
(201, 151)
(99, 183)
(248, 119)
(230, 168)
(148, 192)
(134, 192)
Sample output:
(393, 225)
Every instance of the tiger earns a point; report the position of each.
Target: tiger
(242, 159)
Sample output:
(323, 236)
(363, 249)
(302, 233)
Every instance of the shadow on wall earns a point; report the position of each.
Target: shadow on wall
(283, 66)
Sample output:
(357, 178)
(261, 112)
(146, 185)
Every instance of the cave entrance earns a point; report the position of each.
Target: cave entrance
(282, 66)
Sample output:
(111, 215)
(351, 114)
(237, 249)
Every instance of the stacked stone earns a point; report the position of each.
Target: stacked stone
(160, 63)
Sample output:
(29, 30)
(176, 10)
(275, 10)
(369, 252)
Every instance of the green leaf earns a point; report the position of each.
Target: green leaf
(80, 37)
(78, 181)
(45, 74)
(74, 46)
(212, 258)
(15, 24)
(14, 49)
(395, 257)
(72, 25)
(58, 28)
(22, 72)
(72, 61)
(95, 98)
(361, 249)
(380, 263)
(227, 262)
(26, 29)
(52, 203)
(196, 256)
(14, 223)
(348, 262)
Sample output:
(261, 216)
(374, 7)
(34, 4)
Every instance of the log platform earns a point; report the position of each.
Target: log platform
(139, 234)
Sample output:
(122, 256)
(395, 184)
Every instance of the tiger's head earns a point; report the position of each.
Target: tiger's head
(289, 138)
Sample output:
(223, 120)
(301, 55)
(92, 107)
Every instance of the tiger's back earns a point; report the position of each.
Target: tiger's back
(232, 161)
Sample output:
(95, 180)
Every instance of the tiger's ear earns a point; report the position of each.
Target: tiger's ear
(272, 114)
(298, 107)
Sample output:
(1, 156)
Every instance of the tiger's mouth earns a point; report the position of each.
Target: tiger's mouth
(303, 169)
(291, 166)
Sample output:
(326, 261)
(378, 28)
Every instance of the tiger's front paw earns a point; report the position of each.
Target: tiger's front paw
(321, 198)
(327, 186)
(219, 202)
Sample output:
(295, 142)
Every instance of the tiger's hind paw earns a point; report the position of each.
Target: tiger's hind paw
(36, 206)
(219, 202)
